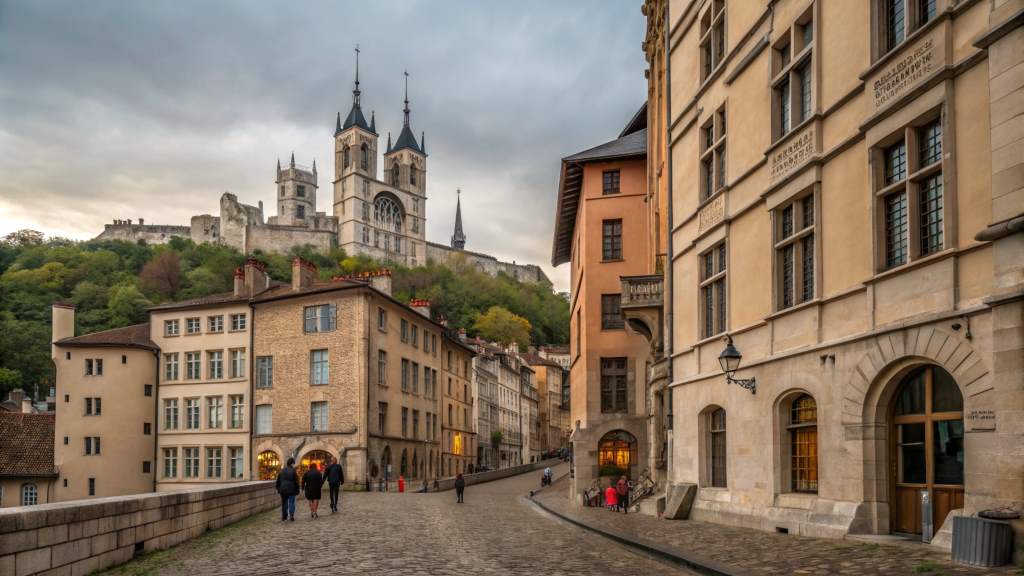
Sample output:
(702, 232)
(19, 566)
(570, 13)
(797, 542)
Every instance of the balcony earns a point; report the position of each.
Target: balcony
(641, 305)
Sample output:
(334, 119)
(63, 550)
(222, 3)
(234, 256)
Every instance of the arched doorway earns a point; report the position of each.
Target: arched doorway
(617, 454)
(318, 457)
(927, 428)
(269, 464)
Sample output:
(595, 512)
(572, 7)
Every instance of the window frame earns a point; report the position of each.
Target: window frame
(798, 482)
(713, 159)
(318, 416)
(264, 372)
(611, 182)
(614, 383)
(717, 464)
(610, 252)
(912, 20)
(716, 284)
(800, 238)
(319, 318)
(712, 41)
(258, 412)
(612, 319)
(319, 369)
(793, 60)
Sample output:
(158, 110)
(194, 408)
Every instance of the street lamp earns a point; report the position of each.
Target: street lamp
(730, 361)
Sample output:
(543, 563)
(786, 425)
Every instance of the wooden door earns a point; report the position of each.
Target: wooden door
(927, 448)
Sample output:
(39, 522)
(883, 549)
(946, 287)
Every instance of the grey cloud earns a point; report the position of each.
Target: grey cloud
(127, 109)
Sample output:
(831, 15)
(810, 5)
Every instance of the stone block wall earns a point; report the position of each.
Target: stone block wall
(83, 536)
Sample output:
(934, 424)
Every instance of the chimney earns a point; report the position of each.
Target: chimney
(421, 306)
(256, 279)
(27, 407)
(303, 274)
(380, 279)
(462, 335)
(16, 396)
(63, 324)
(239, 281)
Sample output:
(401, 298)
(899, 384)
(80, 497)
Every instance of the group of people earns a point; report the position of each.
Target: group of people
(311, 485)
(289, 485)
(615, 497)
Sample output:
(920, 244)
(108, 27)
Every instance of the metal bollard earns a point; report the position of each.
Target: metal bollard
(926, 516)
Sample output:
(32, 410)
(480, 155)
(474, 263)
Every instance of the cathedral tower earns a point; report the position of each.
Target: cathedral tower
(296, 194)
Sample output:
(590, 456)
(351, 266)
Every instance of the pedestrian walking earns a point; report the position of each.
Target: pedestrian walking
(460, 487)
(312, 485)
(335, 477)
(287, 485)
(611, 499)
(622, 492)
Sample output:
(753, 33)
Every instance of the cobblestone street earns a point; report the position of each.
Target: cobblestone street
(495, 532)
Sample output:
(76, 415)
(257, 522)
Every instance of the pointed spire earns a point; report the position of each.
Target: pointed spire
(389, 141)
(406, 109)
(337, 128)
(355, 116)
(314, 165)
(423, 142)
(292, 163)
(278, 165)
(356, 92)
(373, 121)
(459, 237)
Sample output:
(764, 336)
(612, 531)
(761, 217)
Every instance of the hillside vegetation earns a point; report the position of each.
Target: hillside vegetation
(113, 282)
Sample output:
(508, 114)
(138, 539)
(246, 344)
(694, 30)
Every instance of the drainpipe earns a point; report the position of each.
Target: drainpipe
(252, 385)
(667, 294)
(156, 419)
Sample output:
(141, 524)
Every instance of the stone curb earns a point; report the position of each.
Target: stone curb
(665, 553)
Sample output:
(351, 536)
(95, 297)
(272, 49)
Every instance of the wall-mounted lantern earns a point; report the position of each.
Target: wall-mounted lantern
(730, 359)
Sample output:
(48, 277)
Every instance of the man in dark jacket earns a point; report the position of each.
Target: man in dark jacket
(288, 487)
(335, 477)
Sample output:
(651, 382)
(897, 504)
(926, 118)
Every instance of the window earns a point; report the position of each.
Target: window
(610, 182)
(405, 421)
(382, 368)
(712, 291)
(382, 319)
(147, 389)
(92, 445)
(237, 410)
(94, 367)
(794, 251)
(92, 486)
(191, 461)
(192, 325)
(171, 414)
(264, 371)
(192, 413)
(433, 345)
(236, 453)
(264, 418)
(803, 444)
(909, 195)
(792, 76)
(712, 38)
(415, 378)
(319, 370)
(433, 383)
(146, 466)
(214, 411)
(346, 157)
(29, 494)
(321, 318)
(450, 415)
(415, 423)
(579, 332)
(896, 19)
(712, 155)
(93, 406)
(364, 156)
(213, 463)
(426, 381)
(237, 322)
(170, 462)
(388, 213)
(171, 366)
(318, 416)
(215, 323)
(238, 363)
(611, 317)
(613, 385)
(300, 191)
(405, 375)
(147, 428)
(171, 328)
(395, 175)
(611, 240)
(192, 368)
(404, 334)
(414, 336)
(382, 417)
(717, 448)
(216, 358)
(426, 341)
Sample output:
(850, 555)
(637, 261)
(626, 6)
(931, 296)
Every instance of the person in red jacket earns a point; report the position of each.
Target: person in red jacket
(611, 498)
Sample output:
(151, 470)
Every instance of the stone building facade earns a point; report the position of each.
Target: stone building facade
(379, 211)
(105, 419)
(458, 427)
(847, 191)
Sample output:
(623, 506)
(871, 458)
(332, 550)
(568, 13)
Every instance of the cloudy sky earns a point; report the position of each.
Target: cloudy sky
(153, 109)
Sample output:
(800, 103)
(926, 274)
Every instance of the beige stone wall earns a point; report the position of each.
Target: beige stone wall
(126, 410)
(180, 389)
(84, 537)
(10, 490)
(459, 439)
(866, 325)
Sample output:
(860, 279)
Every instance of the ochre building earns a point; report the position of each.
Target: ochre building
(847, 193)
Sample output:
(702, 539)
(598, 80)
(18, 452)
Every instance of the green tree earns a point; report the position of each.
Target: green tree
(162, 274)
(9, 380)
(127, 305)
(500, 325)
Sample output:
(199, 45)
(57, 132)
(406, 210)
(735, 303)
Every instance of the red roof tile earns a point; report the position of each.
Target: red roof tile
(26, 444)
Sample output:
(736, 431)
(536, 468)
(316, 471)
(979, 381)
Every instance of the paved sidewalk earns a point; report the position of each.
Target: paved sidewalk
(745, 551)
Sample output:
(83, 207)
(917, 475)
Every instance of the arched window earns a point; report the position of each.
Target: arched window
(717, 448)
(803, 444)
(269, 464)
(616, 453)
(348, 157)
(29, 494)
(388, 213)
(318, 457)
(395, 174)
(412, 175)
(364, 157)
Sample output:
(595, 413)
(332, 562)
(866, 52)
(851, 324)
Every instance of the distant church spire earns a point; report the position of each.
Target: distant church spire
(373, 121)
(292, 164)
(355, 92)
(458, 238)
(405, 110)
(406, 139)
(355, 116)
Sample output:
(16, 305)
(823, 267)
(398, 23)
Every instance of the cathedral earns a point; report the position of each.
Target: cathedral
(380, 216)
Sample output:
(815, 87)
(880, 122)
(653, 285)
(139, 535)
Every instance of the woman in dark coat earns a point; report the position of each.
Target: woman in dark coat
(460, 487)
(312, 482)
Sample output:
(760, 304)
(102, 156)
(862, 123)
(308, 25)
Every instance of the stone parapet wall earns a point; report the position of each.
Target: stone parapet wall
(491, 475)
(79, 537)
(150, 233)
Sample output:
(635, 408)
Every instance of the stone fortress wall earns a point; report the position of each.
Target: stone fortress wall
(150, 233)
(530, 273)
